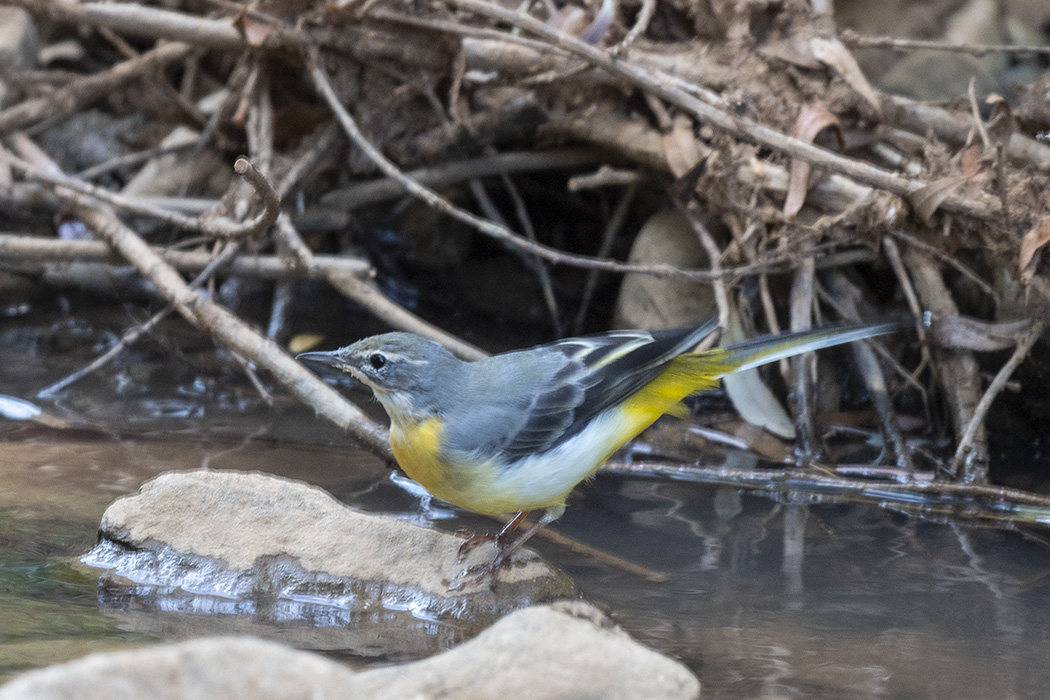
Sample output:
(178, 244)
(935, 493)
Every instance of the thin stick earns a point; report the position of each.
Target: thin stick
(76, 94)
(641, 23)
(965, 451)
(133, 334)
(224, 227)
(268, 267)
(542, 272)
(490, 228)
(217, 321)
(134, 159)
(612, 228)
(851, 38)
(119, 201)
(798, 481)
(454, 172)
(664, 86)
(372, 299)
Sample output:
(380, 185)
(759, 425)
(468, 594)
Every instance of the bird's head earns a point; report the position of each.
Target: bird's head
(405, 371)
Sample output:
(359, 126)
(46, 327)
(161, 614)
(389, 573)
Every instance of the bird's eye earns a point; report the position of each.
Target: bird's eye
(377, 360)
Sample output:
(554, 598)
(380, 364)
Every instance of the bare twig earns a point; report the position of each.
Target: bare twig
(490, 228)
(268, 267)
(818, 483)
(134, 159)
(850, 37)
(397, 316)
(641, 23)
(119, 201)
(612, 228)
(202, 32)
(965, 453)
(223, 227)
(664, 86)
(849, 297)
(217, 321)
(85, 90)
(803, 367)
(957, 369)
(460, 171)
(604, 177)
(133, 334)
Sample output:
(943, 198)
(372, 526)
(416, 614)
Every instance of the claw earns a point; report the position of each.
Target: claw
(473, 540)
(483, 572)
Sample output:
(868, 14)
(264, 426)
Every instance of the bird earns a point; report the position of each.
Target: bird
(515, 432)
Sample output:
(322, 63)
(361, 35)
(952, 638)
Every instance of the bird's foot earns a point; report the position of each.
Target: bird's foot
(474, 575)
(502, 539)
(476, 538)
(473, 539)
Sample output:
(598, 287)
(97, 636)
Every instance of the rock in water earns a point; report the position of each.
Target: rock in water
(561, 652)
(250, 536)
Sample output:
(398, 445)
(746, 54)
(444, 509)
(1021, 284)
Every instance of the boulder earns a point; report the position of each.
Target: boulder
(647, 301)
(567, 650)
(259, 542)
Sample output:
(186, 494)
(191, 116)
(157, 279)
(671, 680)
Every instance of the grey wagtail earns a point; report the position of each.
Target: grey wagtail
(516, 432)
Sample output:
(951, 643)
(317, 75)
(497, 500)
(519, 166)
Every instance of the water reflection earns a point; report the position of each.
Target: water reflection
(762, 599)
(829, 601)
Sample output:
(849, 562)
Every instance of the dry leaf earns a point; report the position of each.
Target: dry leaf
(749, 394)
(253, 31)
(304, 342)
(794, 50)
(1035, 239)
(971, 161)
(680, 146)
(811, 121)
(928, 198)
(834, 55)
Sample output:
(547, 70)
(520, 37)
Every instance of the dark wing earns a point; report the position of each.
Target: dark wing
(593, 373)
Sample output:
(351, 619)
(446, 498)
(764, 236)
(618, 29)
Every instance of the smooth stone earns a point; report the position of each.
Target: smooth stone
(231, 668)
(19, 47)
(174, 174)
(260, 537)
(647, 301)
(564, 651)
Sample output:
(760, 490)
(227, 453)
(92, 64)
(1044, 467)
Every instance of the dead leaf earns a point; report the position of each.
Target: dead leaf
(971, 161)
(749, 394)
(681, 148)
(811, 121)
(304, 342)
(833, 54)
(794, 50)
(253, 31)
(928, 198)
(965, 333)
(1036, 238)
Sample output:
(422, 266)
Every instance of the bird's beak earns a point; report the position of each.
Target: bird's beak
(323, 358)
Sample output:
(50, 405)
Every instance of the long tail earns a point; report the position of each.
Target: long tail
(763, 350)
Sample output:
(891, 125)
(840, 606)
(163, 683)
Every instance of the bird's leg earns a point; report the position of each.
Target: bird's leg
(476, 538)
(506, 552)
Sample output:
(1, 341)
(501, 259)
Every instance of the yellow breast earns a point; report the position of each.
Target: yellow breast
(417, 448)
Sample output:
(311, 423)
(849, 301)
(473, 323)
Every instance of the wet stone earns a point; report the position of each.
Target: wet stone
(234, 542)
(566, 650)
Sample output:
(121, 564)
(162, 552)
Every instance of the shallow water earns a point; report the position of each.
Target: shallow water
(761, 599)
